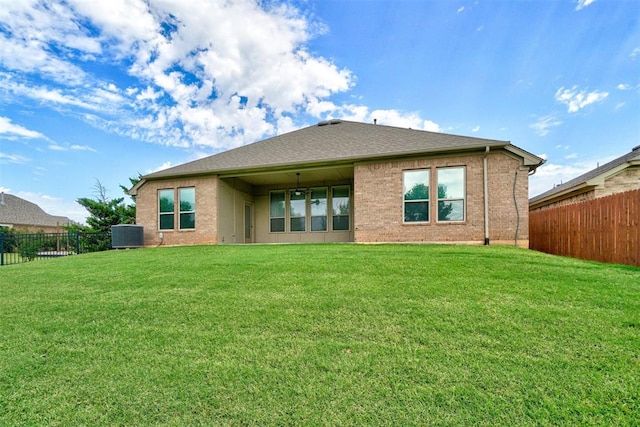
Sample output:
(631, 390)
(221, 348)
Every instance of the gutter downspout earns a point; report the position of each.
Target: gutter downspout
(515, 203)
(485, 176)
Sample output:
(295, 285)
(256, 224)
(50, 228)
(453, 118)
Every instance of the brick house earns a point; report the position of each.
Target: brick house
(617, 176)
(22, 215)
(343, 181)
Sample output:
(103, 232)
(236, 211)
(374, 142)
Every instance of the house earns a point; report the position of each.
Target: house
(25, 216)
(343, 181)
(617, 176)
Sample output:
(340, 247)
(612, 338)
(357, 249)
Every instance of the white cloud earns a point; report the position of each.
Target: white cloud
(634, 53)
(475, 129)
(13, 158)
(577, 99)
(70, 147)
(9, 130)
(623, 86)
(207, 74)
(550, 175)
(544, 123)
(460, 9)
(583, 3)
(387, 117)
(553, 174)
(76, 147)
(165, 165)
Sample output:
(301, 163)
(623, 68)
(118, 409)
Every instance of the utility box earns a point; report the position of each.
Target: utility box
(124, 236)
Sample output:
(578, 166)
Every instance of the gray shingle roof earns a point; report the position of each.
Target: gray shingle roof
(633, 155)
(332, 141)
(17, 211)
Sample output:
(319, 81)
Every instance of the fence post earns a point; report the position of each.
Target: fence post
(77, 242)
(1, 249)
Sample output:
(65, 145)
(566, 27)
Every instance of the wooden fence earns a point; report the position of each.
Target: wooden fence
(606, 229)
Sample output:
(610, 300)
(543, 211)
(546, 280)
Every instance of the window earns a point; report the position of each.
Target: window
(451, 194)
(297, 210)
(416, 195)
(166, 209)
(276, 211)
(340, 203)
(187, 208)
(318, 202)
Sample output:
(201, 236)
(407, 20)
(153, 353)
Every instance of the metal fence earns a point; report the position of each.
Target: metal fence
(24, 247)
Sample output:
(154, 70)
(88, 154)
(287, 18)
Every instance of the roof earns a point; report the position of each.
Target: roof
(590, 179)
(17, 211)
(335, 142)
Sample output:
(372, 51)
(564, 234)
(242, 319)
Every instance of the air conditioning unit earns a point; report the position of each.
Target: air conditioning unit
(127, 236)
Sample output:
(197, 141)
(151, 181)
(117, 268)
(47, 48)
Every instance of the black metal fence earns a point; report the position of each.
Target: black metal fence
(24, 247)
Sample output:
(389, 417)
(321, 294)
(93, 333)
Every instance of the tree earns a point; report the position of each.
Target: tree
(133, 182)
(417, 192)
(444, 209)
(105, 212)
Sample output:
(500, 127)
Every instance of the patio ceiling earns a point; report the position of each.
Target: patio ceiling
(308, 176)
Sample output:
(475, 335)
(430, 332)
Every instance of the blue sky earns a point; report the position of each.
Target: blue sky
(106, 90)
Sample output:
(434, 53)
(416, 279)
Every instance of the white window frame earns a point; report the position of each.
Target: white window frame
(463, 199)
(412, 201)
(172, 213)
(326, 210)
(348, 215)
(181, 212)
(284, 218)
(303, 216)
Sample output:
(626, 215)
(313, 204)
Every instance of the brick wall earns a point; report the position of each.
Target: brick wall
(205, 231)
(378, 200)
(627, 180)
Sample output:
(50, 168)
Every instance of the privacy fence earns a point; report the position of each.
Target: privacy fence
(24, 247)
(606, 229)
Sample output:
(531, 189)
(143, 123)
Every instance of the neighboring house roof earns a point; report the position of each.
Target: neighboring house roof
(335, 142)
(15, 211)
(589, 180)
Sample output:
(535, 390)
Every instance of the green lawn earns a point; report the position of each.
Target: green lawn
(319, 335)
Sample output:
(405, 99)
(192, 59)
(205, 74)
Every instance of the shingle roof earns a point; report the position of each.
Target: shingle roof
(332, 141)
(17, 211)
(633, 155)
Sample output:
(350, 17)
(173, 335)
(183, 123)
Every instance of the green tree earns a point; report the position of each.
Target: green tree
(133, 182)
(417, 192)
(444, 208)
(105, 212)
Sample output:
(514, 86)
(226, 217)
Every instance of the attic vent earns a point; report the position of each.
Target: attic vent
(637, 147)
(127, 236)
(330, 122)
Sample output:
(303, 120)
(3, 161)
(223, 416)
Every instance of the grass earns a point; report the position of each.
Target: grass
(319, 335)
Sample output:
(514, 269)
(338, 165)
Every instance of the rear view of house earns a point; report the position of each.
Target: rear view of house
(343, 181)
